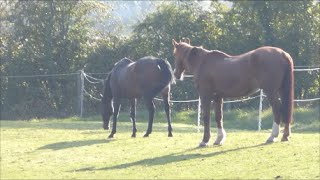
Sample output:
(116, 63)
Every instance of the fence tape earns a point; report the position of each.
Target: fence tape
(182, 101)
(94, 80)
(39, 75)
(312, 69)
(197, 100)
(306, 100)
(88, 94)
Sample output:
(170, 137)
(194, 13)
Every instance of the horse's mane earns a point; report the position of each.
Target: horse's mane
(200, 50)
(217, 52)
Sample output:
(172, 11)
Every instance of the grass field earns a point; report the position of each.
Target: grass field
(78, 149)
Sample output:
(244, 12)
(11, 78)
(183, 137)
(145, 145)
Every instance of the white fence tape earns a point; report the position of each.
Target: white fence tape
(39, 75)
(312, 69)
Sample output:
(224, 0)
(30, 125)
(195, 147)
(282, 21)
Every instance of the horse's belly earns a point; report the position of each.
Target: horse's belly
(239, 89)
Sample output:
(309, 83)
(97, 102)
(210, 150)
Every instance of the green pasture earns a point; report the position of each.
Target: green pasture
(76, 148)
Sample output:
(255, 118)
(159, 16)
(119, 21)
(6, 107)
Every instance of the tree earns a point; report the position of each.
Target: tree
(49, 37)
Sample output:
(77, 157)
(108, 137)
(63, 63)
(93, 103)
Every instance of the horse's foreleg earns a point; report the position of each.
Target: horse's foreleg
(151, 109)
(276, 109)
(165, 96)
(221, 134)
(117, 105)
(205, 108)
(133, 116)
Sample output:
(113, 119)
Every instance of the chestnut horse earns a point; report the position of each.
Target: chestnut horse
(218, 75)
(144, 78)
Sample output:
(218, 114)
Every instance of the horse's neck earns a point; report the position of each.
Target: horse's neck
(211, 55)
(194, 64)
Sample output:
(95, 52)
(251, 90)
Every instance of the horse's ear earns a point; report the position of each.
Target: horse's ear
(188, 41)
(185, 40)
(174, 43)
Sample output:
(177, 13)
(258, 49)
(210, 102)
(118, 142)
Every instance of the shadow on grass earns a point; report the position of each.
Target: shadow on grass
(167, 159)
(72, 144)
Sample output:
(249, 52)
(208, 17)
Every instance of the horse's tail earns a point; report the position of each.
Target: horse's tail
(288, 91)
(166, 77)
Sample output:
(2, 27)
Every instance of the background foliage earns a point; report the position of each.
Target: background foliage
(54, 37)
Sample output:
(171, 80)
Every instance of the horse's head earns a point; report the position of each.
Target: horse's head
(180, 53)
(107, 107)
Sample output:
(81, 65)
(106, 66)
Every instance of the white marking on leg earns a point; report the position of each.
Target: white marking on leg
(221, 137)
(275, 132)
(275, 129)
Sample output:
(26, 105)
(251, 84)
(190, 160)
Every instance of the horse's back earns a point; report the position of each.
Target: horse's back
(133, 79)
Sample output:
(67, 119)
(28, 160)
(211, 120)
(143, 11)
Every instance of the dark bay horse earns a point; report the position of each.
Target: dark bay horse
(145, 78)
(218, 75)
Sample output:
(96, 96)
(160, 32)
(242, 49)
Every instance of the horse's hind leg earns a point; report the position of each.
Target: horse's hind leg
(133, 116)
(221, 134)
(151, 109)
(117, 105)
(166, 97)
(276, 109)
(205, 108)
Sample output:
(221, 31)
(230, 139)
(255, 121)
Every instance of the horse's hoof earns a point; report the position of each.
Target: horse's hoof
(170, 135)
(146, 135)
(203, 144)
(218, 143)
(110, 136)
(283, 139)
(133, 135)
(271, 140)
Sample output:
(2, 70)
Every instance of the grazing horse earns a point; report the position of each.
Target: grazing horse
(218, 75)
(144, 78)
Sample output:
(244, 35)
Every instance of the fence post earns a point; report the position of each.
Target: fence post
(260, 109)
(199, 115)
(80, 92)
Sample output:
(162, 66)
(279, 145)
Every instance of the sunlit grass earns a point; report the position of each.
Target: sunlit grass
(76, 148)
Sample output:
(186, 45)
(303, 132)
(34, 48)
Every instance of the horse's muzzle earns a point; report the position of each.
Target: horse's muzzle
(177, 75)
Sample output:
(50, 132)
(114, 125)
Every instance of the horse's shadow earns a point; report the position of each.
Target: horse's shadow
(72, 144)
(175, 157)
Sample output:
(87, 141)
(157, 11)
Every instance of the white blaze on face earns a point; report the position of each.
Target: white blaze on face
(182, 76)
(176, 74)
(159, 67)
